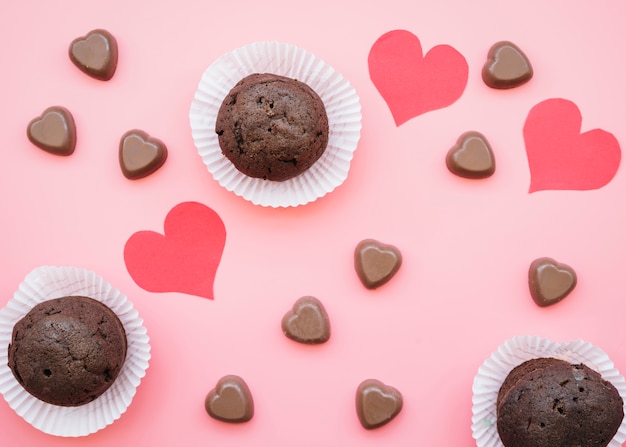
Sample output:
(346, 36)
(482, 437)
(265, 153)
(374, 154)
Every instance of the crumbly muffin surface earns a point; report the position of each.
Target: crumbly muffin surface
(68, 351)
(272, 127)
(548, 402)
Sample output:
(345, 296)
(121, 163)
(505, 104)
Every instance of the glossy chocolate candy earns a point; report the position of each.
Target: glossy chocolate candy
(550, 281)
(53, 131)
(376, 403)
(376, 262)
(140, 154)
(230, 400)
(471, 157)
(507, 66)
(95, 54)
(307, 322)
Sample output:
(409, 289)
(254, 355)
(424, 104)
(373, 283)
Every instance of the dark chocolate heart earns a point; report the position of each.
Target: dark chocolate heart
(375, 262)
(230, 400)
(550, 281)
(377, 403)
(95, 54)
(140, 154)
(54, 131)
(307, 322)
(471, 157)
(507, 66)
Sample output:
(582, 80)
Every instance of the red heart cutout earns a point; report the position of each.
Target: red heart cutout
(185, 258)
(412, 84)
(559, 156)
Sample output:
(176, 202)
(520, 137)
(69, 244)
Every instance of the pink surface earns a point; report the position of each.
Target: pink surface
(466, 245)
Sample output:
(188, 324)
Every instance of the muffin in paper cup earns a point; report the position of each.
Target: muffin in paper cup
(517, 350)
(342, 107)
(45, 283)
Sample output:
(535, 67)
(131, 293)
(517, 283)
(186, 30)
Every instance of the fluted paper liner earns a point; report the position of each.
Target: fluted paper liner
(517, 350)
(342, 107)
(46, 283)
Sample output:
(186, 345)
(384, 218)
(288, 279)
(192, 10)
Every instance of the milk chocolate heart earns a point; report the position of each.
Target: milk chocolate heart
(54, 131)
(507, 66)
(376, 403)
(95, 54)
(471, 157)
(376, 263)
(550, 281)
(230, 400)
(307, 322)
(140, 154)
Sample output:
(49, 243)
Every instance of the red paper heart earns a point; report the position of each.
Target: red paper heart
(412, 84)
(559, 156)
(185, 258)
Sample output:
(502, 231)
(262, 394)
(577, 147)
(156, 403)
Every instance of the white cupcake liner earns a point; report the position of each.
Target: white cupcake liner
(342, 107)
(517, 350)
(46, 283)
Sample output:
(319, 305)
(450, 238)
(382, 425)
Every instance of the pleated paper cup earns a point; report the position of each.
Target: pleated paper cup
(517, 350)
(342, 107)
(46, 283)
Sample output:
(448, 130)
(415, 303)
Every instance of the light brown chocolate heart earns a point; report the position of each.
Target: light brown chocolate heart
(507, 66)
(550, 281)
(230, 400)
(307, 322)
(376, 403)
(54, 131)
(140, 154)
(375, 262)
(95, 54)
(471, 157)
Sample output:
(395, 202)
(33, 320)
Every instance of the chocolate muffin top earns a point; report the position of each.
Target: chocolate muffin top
(67, 351)
(272, 127)
(547, 402)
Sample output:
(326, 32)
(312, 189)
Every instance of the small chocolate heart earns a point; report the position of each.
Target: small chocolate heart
(471, 157)
(507, 66)
(377, 403)
(54, 131)
(307, 322)
(550, 281)
(140, 154)
(95, 54)
(376, 263)
(230, 400)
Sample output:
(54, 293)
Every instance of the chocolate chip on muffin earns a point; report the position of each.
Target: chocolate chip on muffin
(272, 127)
(547, 402)
(67, 351)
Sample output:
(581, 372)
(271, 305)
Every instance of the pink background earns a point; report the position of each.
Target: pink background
(462, 289)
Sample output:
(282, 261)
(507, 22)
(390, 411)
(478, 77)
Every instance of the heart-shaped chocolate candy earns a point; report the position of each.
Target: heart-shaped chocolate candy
(507, 66)
(95, 54)
(550, 281)
(230, 400)
(375, 262)
(471, 157)
(54, 131)
(377, 403)
(140, 154)
(307, 322)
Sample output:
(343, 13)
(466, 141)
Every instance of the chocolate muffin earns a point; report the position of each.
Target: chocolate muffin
(547, 402)
(272, 127)
(67, 351)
